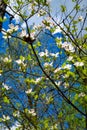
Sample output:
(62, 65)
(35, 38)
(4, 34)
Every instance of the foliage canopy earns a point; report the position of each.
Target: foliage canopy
(43, 72)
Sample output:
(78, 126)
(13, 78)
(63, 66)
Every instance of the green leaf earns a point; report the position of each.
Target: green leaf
(77, 7)
(60, 115)
(85, 28)
(85, 36)
(22, 58)
(36, 97)
(6, 100)
(29, 57)
(75, 21)
(73, 0)
(0, 119)
(63, 8)
(6, 1)
(19, 2)
(38, 43)
(1, 20)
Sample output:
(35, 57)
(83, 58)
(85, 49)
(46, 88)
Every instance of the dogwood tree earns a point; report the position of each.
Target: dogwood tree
(43, 69)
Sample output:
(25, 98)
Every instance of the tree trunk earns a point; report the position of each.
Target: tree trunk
(2, 11)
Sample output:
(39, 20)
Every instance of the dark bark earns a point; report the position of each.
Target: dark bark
(2, 11)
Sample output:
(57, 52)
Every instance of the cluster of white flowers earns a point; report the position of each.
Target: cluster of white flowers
(68, 47)
(13, 28)
(25, 34)
(6, 86)
(5, 118)
(28, 91)
(80, 18)
(7, 59)
(48, 64)
(7, 33)
(79, 64)
(32, 112)
(70, 58)
(21, 61)
(67, 66)
(46, 53)
(81, 94)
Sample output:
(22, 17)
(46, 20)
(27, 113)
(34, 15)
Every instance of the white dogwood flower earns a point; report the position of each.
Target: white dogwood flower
(80, 18)
(12, 27)
(48, 64)
(19, 61)
(6, 34)
(57, 69)
(28, 91)
(7, 59)
(32, 112)
(38, 80)
(6, 86)
(70, 58)
(67, 66)
(79, 64)
(23, 34)
(5, 118)
(54, 54)
(58, 83)
(81, 94)
(44, 53)
(68, 47)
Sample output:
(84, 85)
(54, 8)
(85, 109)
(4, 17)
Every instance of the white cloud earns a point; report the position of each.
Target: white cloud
(23, 25)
